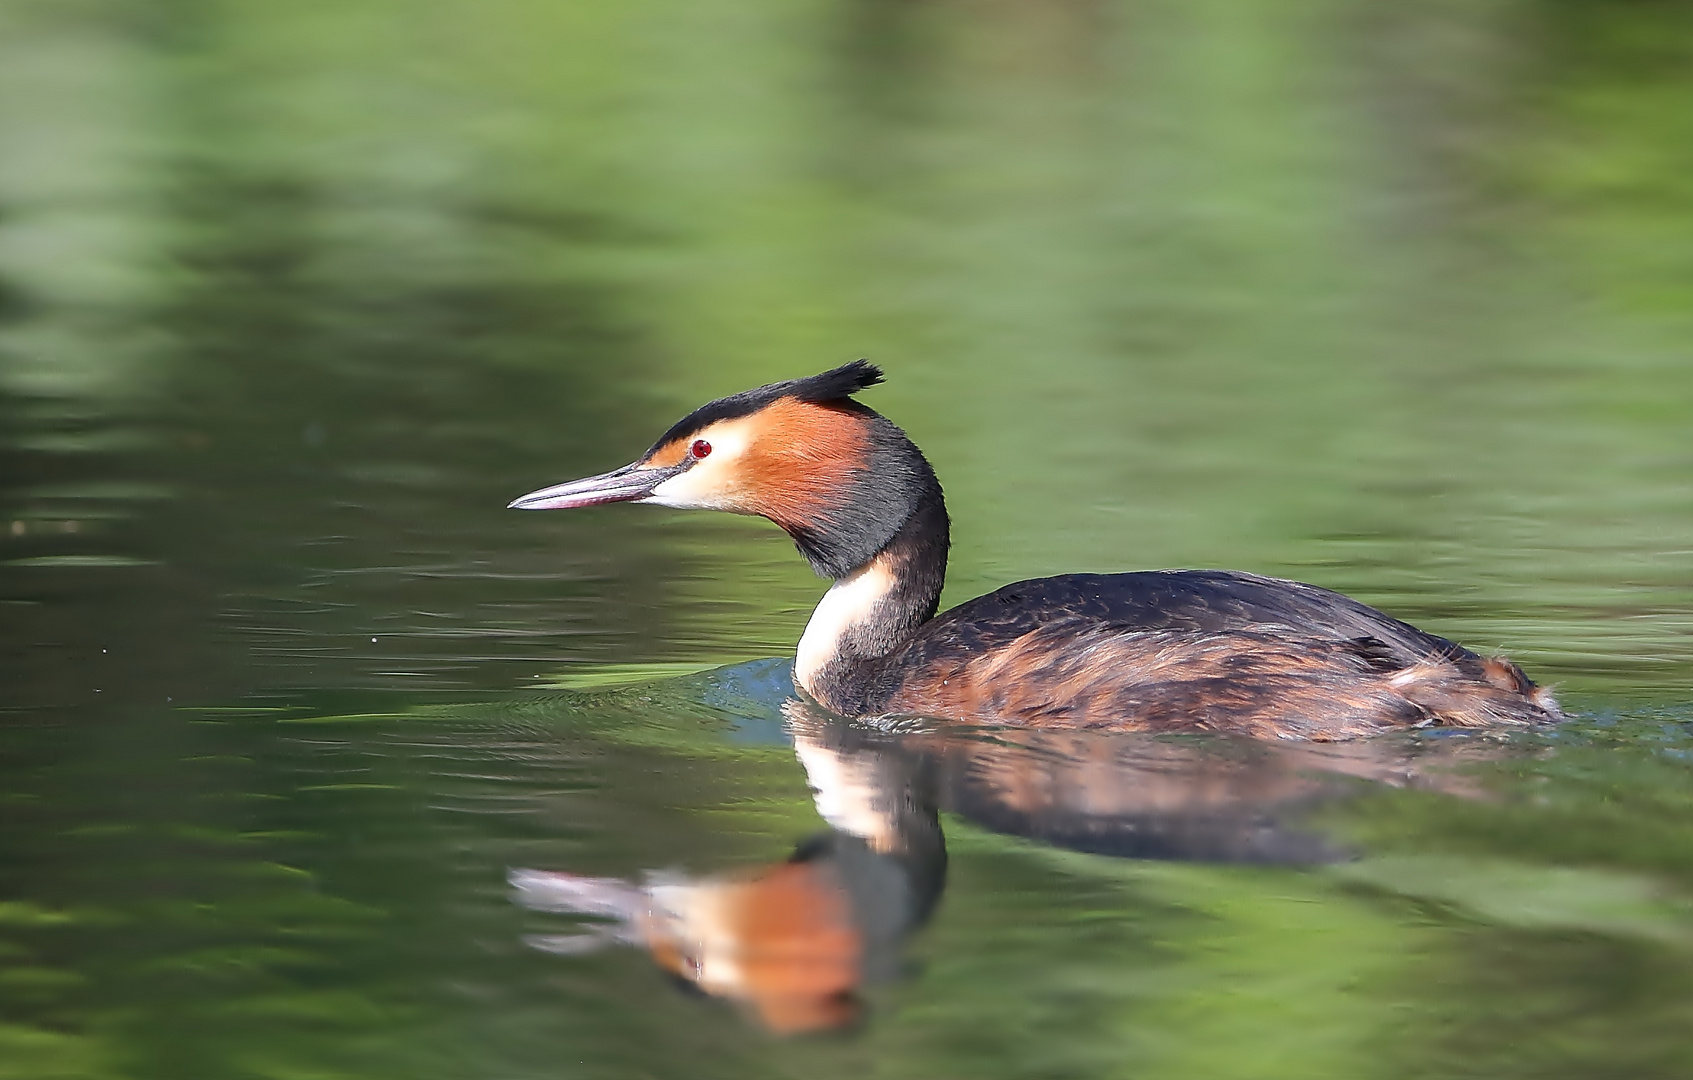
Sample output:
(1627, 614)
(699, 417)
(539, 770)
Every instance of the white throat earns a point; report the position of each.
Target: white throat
(850, 601)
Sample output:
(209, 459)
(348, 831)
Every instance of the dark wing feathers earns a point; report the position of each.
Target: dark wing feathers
(1188, 650)
(1192, 601)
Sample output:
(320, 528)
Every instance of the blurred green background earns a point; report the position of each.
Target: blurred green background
(1393, 298)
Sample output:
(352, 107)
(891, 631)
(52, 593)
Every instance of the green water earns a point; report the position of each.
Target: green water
(295, 297)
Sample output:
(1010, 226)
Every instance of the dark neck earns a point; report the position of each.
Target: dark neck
(871, 611)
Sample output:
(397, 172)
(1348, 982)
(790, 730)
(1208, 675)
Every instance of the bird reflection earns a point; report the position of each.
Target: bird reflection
(796, 942)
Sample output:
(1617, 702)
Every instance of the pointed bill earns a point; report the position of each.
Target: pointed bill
(628, 484)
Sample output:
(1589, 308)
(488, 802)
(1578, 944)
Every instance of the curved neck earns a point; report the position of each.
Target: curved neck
(874, 609)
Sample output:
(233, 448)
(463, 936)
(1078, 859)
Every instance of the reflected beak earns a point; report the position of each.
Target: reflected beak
(628, 484)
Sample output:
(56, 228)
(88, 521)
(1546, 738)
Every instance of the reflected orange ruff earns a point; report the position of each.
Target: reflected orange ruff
(783, 942)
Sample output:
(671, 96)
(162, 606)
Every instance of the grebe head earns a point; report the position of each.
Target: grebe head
(838, 476)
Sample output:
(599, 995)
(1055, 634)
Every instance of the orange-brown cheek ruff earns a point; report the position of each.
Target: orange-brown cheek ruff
(801, 460)
(788, 462)
(1159, 651)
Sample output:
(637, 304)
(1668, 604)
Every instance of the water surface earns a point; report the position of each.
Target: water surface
(293, 300)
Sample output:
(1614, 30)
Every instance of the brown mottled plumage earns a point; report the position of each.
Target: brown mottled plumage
(1193, 651)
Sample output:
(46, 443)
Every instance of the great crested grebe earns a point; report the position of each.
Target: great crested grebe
(1165, 650)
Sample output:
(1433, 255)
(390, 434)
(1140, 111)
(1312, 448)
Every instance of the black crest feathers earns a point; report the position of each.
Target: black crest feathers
(844, 381)
(838, 384)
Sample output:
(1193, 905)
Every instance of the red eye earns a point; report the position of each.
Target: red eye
(700, 448)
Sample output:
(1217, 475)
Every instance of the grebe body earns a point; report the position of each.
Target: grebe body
(1172, 650)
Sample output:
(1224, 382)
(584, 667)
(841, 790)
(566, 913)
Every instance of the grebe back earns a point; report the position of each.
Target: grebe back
(1167, 650)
